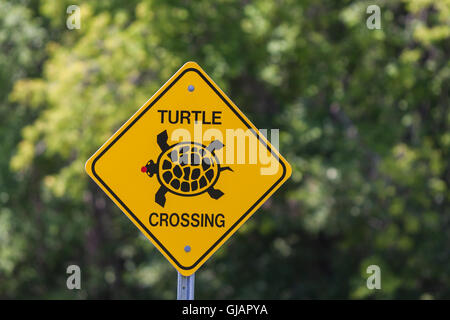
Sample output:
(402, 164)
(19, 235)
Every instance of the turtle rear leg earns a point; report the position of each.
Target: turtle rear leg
(215, 193)
(160, 196)
(215, 145)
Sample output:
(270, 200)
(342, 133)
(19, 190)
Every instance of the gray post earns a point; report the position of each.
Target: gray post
(185, 288)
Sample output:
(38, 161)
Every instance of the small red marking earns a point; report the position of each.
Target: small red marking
(144, 169)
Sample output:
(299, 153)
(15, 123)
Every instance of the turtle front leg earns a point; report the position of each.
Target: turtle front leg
(161, 139)
(215, 193)
(160, 196)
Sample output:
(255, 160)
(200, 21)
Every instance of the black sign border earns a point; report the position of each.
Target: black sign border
(132, 214)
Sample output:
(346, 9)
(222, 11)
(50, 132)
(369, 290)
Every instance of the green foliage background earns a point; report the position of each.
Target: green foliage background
(363, 118)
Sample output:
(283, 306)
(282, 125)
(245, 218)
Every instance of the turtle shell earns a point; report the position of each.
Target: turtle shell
(188, 168)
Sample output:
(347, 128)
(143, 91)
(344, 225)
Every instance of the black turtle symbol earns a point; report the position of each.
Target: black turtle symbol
(185, 169)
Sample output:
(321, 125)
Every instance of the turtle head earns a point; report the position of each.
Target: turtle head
(150, 168)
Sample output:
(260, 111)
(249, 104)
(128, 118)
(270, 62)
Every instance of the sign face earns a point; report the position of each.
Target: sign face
(188, 168)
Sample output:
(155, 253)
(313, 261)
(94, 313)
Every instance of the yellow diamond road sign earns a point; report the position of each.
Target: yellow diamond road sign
(188, 168)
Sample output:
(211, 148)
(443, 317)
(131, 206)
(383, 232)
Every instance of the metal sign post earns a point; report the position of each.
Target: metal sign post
(185, 288)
